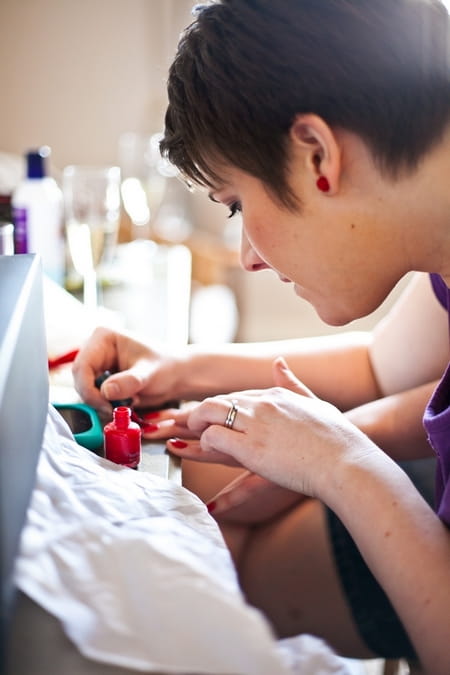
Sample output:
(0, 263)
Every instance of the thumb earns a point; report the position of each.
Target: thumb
(121, 386)
(284, 377)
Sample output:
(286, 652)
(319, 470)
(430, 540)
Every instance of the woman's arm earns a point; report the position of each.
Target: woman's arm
(408, 348)
(394, 422)
(410, 345)
(336, 366)
(405, 545)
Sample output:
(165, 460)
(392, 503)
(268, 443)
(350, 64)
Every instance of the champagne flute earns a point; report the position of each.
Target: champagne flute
(92, 212)
(144, 175)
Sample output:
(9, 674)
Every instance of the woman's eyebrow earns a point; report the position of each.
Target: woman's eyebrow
(212, 198)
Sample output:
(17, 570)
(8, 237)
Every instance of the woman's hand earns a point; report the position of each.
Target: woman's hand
(143, 374)
(287, 436)
(251, 499)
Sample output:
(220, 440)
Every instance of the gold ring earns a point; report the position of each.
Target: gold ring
(231, 415)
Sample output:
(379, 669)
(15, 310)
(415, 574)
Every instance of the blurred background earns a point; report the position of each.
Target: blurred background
(76, 76)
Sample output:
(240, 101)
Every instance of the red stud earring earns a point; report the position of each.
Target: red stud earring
(323, 184)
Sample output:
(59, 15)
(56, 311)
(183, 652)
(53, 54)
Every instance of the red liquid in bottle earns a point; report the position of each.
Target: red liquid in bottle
(122, 439)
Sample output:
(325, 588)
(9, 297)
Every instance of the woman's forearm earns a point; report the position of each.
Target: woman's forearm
(336, 367)
(394, 422)
(408, 549)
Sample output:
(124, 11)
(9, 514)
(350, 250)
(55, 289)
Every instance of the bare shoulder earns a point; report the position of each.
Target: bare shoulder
(410, 344)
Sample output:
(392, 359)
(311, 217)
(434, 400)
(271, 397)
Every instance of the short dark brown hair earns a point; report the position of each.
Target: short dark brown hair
(245, 68)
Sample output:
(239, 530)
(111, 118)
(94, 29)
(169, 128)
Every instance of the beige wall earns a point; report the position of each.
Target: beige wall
(76, 73)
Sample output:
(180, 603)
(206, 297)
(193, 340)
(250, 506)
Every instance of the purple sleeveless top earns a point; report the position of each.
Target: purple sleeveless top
(437, 420)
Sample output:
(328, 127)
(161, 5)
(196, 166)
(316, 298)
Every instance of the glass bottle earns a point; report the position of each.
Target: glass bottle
(122, 439)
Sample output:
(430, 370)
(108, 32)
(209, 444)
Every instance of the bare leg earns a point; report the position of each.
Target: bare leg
(286, 567)
(205, 480)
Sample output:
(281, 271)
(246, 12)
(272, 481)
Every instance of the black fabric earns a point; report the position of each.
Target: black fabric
(376, 620)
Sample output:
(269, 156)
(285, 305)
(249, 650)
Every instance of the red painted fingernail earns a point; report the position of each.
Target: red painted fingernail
(211, 506)
(151, 415)
(149, 428)
(177, 443)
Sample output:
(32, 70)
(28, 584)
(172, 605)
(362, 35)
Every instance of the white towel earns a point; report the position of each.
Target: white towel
(138, 573)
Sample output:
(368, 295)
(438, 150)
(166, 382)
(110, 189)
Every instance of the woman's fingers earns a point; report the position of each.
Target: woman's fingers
(192, 449)
(185, 444)
(167, 423)
(251, 499)
(125, 384)
(216, 411)
(162, 429)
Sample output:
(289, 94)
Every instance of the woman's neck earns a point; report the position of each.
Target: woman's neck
(423, 199)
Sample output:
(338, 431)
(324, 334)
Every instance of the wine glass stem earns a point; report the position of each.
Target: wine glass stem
(90, 291)
(141, 231)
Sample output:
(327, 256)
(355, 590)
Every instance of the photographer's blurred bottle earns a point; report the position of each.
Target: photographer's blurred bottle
(37, 213)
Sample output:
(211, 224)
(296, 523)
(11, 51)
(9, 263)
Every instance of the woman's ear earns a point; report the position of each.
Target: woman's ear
(314, 141)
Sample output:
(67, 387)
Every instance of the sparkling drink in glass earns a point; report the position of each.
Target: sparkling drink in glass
(92, 213)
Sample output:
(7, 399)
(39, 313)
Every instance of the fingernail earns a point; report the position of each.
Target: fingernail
(211, 506)
(111, 391)
(177, 443)
(151, 415)
(149, 428)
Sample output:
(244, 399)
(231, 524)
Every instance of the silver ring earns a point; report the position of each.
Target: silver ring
(231, 415)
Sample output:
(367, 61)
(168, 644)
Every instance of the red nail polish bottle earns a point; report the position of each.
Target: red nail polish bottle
(122, 439)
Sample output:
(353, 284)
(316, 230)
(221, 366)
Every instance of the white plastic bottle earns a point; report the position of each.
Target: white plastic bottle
(38, 216)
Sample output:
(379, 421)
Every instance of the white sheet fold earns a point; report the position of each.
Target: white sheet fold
(138, 573)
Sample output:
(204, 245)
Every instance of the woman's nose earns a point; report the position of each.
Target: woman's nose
(250, 260)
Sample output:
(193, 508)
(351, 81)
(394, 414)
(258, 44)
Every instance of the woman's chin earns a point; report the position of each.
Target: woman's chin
(329, 314)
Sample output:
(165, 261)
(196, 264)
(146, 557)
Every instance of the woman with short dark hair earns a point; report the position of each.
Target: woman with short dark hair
(326, 124)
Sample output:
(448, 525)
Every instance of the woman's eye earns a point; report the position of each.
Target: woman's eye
(235, 207)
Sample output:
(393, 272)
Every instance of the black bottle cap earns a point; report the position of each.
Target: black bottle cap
(115, 404)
